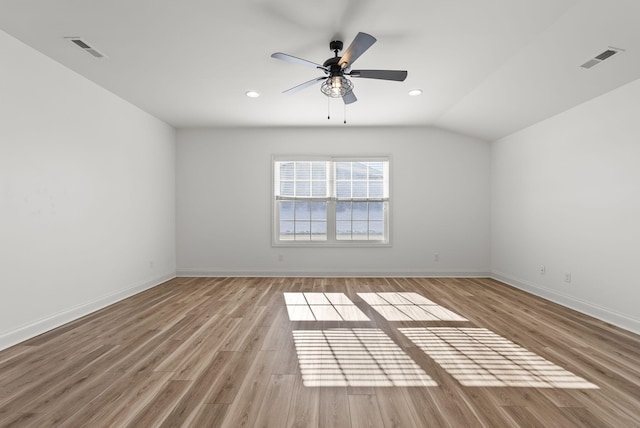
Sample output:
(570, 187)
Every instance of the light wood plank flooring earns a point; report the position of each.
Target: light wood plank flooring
(223, 352)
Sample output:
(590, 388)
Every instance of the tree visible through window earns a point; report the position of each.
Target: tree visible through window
(331, 200)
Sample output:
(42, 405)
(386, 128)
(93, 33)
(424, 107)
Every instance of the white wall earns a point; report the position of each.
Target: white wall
(566, 195)
(87, 195)
(440, 202)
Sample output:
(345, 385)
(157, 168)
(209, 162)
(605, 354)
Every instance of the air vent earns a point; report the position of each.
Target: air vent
(601, 57)
(80, 43)
(95, 53)
(86, 47)
(590, 63)
(606, 54)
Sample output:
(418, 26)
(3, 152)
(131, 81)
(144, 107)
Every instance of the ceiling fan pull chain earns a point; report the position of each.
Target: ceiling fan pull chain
(328, 109)
(345, 114)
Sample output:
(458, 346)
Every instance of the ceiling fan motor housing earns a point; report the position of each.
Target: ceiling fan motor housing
(332, 65)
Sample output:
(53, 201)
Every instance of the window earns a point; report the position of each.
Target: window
(335, 201)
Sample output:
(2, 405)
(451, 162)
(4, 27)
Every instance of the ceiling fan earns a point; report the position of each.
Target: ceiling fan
(335, 84)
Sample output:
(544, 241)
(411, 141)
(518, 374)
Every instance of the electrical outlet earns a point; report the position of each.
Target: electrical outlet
(567, 277)
(436, 257)
(280, 258)
(543, 270)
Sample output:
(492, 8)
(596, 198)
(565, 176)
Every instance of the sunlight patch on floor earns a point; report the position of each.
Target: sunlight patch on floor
(355, 357)
(479, 357)
(322, 307)
(408, 307)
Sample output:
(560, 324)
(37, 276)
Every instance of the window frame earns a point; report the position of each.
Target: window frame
(331, 240)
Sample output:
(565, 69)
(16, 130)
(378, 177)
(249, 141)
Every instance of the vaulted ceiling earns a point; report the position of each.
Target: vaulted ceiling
(487, 68)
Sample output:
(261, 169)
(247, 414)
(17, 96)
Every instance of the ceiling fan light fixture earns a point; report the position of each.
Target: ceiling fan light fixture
(336, 86)
(415, 92)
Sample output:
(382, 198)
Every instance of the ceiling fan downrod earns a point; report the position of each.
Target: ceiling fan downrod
(336, 46)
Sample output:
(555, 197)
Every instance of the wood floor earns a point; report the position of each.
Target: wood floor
(222, 352)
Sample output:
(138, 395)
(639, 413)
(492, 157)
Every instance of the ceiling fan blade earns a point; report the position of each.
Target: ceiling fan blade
(349, 98)
(397, 75)
(304, 85)
(360, 44)
(296, 60)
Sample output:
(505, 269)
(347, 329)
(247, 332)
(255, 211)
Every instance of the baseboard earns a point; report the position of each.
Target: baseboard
(306, 273)
(604, 314)
(20, 334)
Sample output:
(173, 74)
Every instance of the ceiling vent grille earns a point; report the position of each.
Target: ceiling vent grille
(86, 47)
(611, 51)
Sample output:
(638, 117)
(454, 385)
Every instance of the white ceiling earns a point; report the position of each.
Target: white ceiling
(487, 67)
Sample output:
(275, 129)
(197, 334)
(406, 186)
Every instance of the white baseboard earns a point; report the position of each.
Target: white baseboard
(307, 273)
(20, 334)
(604, 314)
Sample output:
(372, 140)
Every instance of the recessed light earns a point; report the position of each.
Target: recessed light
(415, 92)
(252, 94)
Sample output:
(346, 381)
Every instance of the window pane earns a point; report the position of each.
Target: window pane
(286, 230)
(319, 189)
(376, 230)
(376, 210)
(376, 189)
(303, 188)
(286, 171)
(360, 211)
(376, 170)
(359, 171)
(343, 211)
(360, 229)
(343, 230)
(359, 189)
(319, 170)
(303, 211)
(319, 211)
(319, 230)
(343, 189)
(303, 170)
(286, 188)
(303, 230)
(286, 210)
(343, 170)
